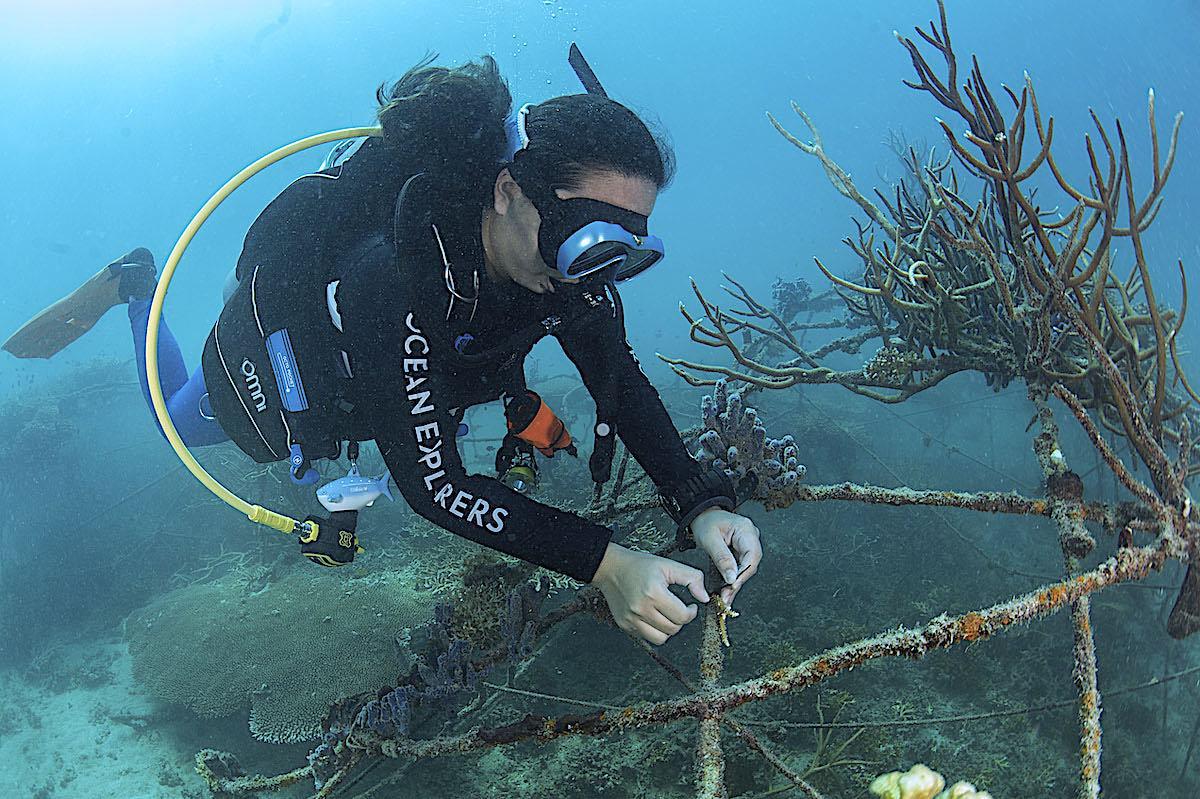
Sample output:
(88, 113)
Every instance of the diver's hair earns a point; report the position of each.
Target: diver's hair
(576, 134)
(450, 122)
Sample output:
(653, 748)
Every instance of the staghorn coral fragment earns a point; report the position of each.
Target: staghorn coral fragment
(724, 613)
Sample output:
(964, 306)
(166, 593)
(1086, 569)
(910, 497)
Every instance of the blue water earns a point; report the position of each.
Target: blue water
(121, 118)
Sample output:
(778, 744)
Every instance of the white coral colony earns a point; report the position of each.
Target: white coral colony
(921, 782)
(965, 790)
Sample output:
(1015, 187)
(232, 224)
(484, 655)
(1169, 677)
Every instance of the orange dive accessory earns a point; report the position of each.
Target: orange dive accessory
(531, 420)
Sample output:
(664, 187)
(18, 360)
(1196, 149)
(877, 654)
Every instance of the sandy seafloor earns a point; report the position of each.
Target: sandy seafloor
(94, 739)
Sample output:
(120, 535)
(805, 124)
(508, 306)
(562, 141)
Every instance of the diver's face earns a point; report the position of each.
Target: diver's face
(510, 231)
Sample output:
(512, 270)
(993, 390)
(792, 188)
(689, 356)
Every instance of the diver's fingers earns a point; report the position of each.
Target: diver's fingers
(723, 559)
(730, 591)
(678, 573)
(644, 630)
(659, 621)
(746, 542)
(671, 609)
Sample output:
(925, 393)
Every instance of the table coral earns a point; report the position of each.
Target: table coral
(216, 648)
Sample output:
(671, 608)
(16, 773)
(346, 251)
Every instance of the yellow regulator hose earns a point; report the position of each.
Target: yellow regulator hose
(256, 513)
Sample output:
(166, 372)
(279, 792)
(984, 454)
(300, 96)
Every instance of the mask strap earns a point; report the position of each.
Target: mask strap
(514, 130)
(610, 284)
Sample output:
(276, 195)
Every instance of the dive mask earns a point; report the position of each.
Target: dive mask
(581, 237)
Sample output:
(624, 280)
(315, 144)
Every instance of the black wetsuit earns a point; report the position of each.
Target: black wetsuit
(402, 344)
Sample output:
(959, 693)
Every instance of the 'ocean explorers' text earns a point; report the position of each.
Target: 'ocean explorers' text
(462, 504)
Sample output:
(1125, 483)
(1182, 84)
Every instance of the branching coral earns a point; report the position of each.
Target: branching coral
(995, 285)
(998, 287)
(1001, 288)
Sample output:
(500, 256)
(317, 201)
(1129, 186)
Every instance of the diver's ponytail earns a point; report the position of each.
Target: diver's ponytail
(449, 122)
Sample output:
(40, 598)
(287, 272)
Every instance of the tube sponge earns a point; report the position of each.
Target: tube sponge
(735, 441)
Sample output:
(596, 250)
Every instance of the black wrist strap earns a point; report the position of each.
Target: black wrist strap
(685, 501)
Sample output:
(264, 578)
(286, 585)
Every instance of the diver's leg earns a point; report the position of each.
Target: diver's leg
(172, 372)
(192, 415)
(187, 399)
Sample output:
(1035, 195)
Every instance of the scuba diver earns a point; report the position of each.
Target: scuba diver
(406, 281)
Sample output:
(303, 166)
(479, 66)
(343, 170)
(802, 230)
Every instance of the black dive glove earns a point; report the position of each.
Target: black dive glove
(685, 501)
(332, 541)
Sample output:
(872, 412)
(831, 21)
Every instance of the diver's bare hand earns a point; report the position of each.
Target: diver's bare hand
(732, 542)
(637, 588)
